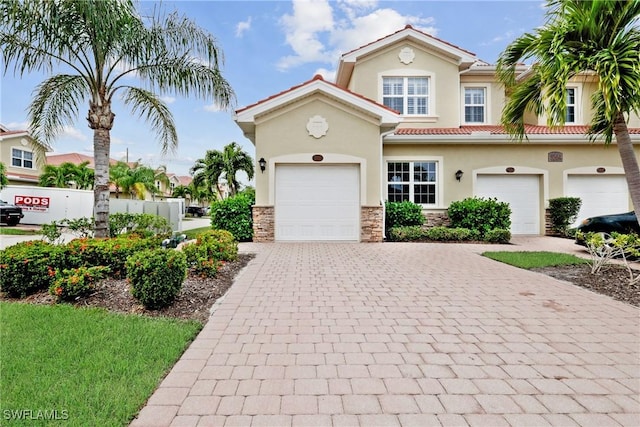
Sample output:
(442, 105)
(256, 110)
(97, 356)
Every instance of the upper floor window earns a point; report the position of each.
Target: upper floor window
(475, 104)
(571, 105)
(415, 181)
(21, 158)
(407, 95)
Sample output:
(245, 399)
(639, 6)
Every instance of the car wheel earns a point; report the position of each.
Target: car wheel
(12, 222)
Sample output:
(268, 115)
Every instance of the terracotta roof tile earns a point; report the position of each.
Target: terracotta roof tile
(416, 30)
(316, 77)
(499, 130)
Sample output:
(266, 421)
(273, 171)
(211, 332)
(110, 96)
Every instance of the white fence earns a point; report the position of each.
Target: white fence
(42, 205)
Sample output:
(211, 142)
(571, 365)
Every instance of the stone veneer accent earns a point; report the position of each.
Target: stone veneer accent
(371, 220)
(548, 231)
(436, 219)
(263, 224)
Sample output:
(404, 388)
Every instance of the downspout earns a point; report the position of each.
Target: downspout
(382, 180)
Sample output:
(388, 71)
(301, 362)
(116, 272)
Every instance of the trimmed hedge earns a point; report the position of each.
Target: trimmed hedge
(234, 215)
(480, 214)
(402, 214)
(29, 267)
(447, 234)
(563, 211)
(156, 276)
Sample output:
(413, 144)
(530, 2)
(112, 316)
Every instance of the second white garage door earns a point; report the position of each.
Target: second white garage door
(317, 202)
(600, 194)
(522, 192)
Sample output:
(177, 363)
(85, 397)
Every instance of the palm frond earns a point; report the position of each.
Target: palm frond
(150, 107)
(55, 104)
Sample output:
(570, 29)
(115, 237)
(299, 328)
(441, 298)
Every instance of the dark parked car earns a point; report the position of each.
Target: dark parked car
(196, 210)
(624, 223)
(10, 214)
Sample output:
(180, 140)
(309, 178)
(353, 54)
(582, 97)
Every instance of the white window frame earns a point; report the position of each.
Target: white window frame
(405, 75)
(577, 116)
(487, 103)
(439, 185)
(22, 159)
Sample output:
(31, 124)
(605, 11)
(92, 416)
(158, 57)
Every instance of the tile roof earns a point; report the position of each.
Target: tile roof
(75, 158)
(316, 77)
(408, 26)
(499, 130)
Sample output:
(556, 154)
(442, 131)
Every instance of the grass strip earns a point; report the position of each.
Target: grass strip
(7, 231)
(530, 260)
(83, 366)
(191, 234)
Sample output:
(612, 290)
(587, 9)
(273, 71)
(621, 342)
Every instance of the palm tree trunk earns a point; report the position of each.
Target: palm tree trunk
(629, 161)
(100, 119)
(101, 145)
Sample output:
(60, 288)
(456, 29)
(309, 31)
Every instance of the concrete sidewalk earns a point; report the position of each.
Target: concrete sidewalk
(404, 334)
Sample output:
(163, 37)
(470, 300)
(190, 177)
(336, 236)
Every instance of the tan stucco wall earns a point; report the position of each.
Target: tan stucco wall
(368, 73)
(283, 133)
(9, 143)
(495, 92)
(468, 158)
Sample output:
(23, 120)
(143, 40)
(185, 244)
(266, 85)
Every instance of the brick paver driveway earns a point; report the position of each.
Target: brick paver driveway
(403, 334)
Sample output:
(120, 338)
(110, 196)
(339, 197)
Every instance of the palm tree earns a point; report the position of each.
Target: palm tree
(600, 37)
(226, 163)
(57, 176)
(118, 175)
(4, 181)
(99, 45)
(84, 176)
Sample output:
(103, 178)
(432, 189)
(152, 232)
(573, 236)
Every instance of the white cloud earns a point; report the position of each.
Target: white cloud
(242, 27)
(310, 19)
(73, 133)
(213, 108)
(17, 125)
(168, 99)
(328, 75)
(316, 32)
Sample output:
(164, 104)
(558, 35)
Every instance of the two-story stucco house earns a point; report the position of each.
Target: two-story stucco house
(21, 155)
(412, 117)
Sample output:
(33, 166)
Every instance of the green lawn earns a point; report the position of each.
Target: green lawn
(9, 231)
(535, 259)
(90, 366)
(191, 234)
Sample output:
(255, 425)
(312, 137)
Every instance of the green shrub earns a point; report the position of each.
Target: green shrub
(211, 248)
(406, 234)
(234, 214)
(156, 276)
(52, 232)
(28, 267)
(563, 212)
(498, 235)
(112, 252)
(479, 214)
(446, 234)
(402, 214)
(71, 284)
(146, 225)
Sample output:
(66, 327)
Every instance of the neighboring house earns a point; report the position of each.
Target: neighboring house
(19, 153)
(412, 117)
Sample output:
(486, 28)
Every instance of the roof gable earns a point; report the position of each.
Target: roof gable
(464, 58)
(245, 117)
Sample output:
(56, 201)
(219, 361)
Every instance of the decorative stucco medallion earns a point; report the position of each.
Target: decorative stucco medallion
(317, 126)
(406, 55)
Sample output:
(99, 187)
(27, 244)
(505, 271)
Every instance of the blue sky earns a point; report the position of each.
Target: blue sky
(270, 46)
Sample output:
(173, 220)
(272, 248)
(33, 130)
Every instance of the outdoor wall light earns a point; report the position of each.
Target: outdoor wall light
(459, 174)
(263, 164)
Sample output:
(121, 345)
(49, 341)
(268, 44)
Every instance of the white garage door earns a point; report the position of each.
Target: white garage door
(314, 202)
(600, 194)
(522, 192)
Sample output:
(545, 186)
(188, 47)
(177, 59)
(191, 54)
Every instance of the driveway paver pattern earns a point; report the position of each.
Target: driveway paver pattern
(403, 334)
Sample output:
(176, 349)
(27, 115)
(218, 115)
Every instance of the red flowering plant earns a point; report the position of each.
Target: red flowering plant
(25, 267)
(72, 284)
(212, 248)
